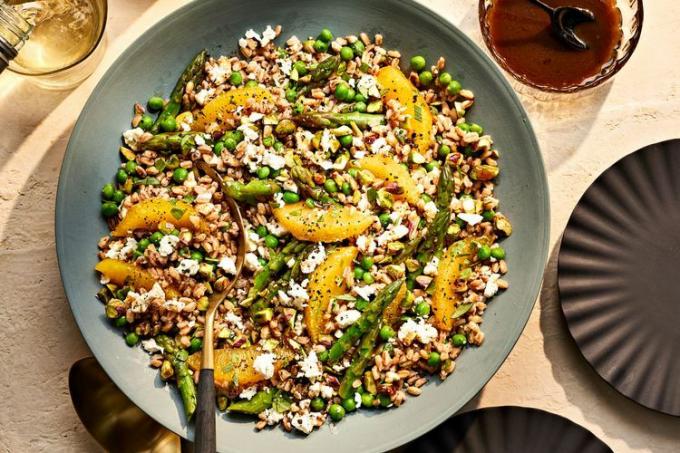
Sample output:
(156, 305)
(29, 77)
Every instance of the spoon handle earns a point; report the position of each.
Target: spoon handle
(543, 5)
(204, 427)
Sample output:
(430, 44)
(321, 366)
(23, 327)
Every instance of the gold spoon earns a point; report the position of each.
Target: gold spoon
(111, 418)
(204, 428)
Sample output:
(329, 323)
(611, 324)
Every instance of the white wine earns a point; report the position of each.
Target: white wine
(65, 31)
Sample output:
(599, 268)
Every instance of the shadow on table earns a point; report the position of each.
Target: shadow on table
(599, 403)
(41, 338)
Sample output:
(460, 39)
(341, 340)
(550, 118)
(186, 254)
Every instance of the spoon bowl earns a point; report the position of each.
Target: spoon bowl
(563, 20)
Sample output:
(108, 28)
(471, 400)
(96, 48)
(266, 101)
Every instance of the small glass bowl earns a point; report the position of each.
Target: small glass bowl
(632, 14)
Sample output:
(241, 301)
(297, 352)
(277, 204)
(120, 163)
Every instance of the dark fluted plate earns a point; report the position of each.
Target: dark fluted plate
(507, 429)
(619, 274)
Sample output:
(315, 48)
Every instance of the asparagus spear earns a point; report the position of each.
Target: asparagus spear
(368, 320)
(322, 120)
(361, 358)
(275, 264)
(173, 141)
(325, 69)
(255, 190)
(193, 72)
(185, 382)
(304, 179)
(261, 401)
(433, 242)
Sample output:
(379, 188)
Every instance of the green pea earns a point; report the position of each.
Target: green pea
(218, 148)
(236, 78)
(350, 94)
(146, 122)
(261, 231)
(120, 322)
(155, 103)
(346, 53)
(238, 136)
(488, 215)
(346, 188)
(196, 255)
(290, 197)
(498, 253)
(429, 166)
(337, 412)
(143, 244)
(358, 47)
(366, 400)
(349, 404)
(325, 35)
(268, 140)
(353, 172)
(317, 404)
(263, 172)
(445, 78)
(109, 209)
(386, 332)
(118, 196)
(107, 191)
(360, 106)
(444, 150)
(465, 127)
(341, 91)
(454, 87)
(291, 94)
(310, 203)
(230, 143)
(434, 359)
(459, 340)
(300, 67)
(168, 124)
(385, 400)
(180, 174)
(368, 278)
(271, 241)
(484, 252)
(156, 237)
(130, 167)
(385, 219)
(418, 63)
(330, 186)
(278, 146)
(346, 140)
(425, 78)
(252, 83)
(358, 273)
(121, 176)
(320, 46)
(423, 309)
(195, 345)
(323, 356)
(474, 127)
(131, 339)
(367, 262)
(360, 98)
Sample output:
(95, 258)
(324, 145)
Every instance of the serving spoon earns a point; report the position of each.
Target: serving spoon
(204, 428)
(563, 20)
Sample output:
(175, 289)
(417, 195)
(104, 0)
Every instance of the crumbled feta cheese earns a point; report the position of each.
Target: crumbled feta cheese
(218, 74)
(291, 262)
(199, 140)
(251, 262)
(140, 302)
(131, 137)
(204, 197)
(357, 399)
(284, 298)
(118, 251)
(234, 319)
(347, 317)
(423, 331)
(290, 186)
(264, 364)
(286, 65)
(190, 181)
(327, 392)
(365, 292)
(255, 116)
(168, 245)
(174, 305)
(325, 142)
(251, 157)
(305, 422)
(227, 264)
(188, 267)
(151, 346)
(267, 36)
(368, 86)
(491, 286)
(468, 205)
(249, 134)
(315, 257)
(202, 96)
(431, 267)
(430, 210)
(298, 292)
(393, 233)
(278, 200)
(380, 145)
(247, 394)
(310, 367)
(272, 417)
(365, 244)
(273, 160)
(363, 204)
(471, 219)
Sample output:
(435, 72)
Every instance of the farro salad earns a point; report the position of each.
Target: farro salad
(369, 207)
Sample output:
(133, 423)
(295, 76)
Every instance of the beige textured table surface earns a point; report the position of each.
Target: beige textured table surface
(580, 137)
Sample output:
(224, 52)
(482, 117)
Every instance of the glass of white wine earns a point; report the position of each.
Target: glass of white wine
(66, 43)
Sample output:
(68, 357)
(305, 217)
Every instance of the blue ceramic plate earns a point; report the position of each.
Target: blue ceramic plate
(152, 64)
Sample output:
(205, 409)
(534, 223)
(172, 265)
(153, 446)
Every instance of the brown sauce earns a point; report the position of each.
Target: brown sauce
(521, 35)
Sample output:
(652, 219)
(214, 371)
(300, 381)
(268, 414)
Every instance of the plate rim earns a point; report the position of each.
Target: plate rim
(560, 277)
(543, 210)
